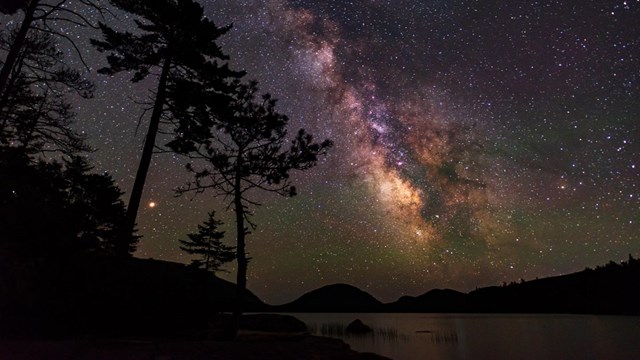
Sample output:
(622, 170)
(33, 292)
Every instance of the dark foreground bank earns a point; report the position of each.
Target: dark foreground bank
(248, 346)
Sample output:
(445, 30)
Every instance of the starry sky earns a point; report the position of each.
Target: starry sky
(476, 142)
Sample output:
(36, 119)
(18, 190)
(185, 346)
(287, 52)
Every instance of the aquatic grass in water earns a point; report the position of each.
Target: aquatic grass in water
(387, 333)
(444, 338)
(335, 329)
(328, 329)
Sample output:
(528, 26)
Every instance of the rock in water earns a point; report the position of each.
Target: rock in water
(358, 327)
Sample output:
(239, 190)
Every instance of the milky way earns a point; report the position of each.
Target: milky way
(476, 143)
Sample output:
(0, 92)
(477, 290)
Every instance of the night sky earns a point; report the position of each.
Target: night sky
(476, 142)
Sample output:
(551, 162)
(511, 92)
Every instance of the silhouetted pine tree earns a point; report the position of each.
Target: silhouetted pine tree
(244, 151)
(34, 112)
(95, 201)
(207, 244)
(44, 17)
(49, 209)
(177, 42)
(33, 207)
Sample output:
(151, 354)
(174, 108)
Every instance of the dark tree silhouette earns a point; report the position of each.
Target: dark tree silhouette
(11, 6)
(50, 209)
(35, 114)
(207, 243)
(177, 42)
(96, 202)
(247, 150)
(44, 17)
(32, 206)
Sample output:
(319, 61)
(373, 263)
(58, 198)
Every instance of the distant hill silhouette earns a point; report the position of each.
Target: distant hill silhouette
(610, 289)
(333, 298)
(436, 300)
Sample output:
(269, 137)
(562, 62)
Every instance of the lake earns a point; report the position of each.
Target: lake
(486, 336)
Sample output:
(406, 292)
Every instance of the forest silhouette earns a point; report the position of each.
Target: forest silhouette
(64, 226)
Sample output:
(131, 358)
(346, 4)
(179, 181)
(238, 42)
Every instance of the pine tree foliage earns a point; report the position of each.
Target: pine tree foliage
(49, 208)
(96, 202)
(247, 150)
(208, 246)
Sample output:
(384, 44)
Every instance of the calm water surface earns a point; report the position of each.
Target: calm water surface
(486, 336)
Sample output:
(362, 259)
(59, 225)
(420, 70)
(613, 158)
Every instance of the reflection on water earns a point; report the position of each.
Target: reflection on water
(486, 336)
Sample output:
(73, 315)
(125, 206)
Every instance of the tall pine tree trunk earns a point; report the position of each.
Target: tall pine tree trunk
(145, 159)
(241, 278)
(17, 45)
(5, 108)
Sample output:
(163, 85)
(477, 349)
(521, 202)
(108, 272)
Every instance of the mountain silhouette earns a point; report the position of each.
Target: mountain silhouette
(333, 298)
(436, 300)
(610, 289)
